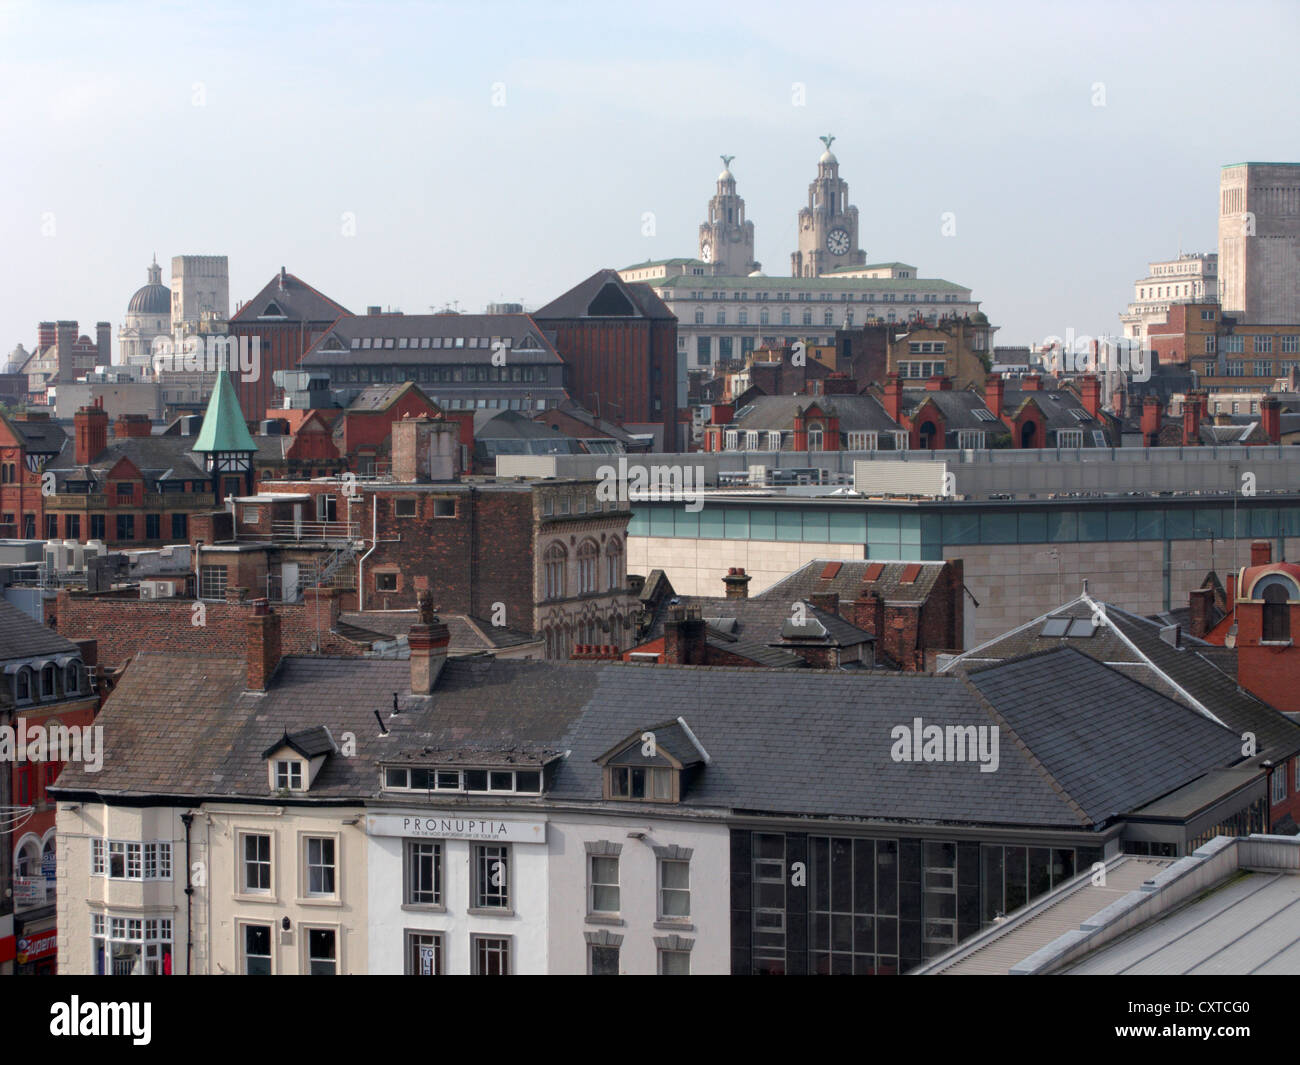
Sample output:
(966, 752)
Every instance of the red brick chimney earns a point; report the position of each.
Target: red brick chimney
(1090, 394)
(45, 336)
(263, 645)
(938, 384)
(1192, 420)
(839, 384)
(1270, 417)
(893, 400)
(993, 391)
(1150, 421)
(428, 644)
(827, 601)
(1117, 402)
(684, 635)
(1261, 553)
(90, 428)
(869, 613)
(128, 425)
(1200, 610)
(737, 583)
(800, 433)
(1031, 382)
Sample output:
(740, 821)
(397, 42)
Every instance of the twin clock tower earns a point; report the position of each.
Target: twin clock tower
(828, 226)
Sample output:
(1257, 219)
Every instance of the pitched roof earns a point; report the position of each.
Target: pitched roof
(38, 437)
(296, 301)
(762, 620)
(1133, 646)
(22, 636)
(957, 407)
(806, 742)
(852, 578)
(855, 413)
(606, 295)
(223, 421)
(386, 333)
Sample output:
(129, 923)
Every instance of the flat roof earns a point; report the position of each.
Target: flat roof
(1191, 799)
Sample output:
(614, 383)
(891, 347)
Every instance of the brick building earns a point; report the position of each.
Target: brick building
(618, 340)
(286, 317)
(545, 558)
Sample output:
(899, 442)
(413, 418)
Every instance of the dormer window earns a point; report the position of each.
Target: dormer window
(47, 682)
(496, 781)
(288, 775)
(653, 765)
(294, 762)
(23, 685)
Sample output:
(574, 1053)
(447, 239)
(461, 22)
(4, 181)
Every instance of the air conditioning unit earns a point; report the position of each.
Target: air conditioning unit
(758, 475)
(157, 589)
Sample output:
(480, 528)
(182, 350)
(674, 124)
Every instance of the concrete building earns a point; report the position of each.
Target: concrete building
(1192, 277)
(1259, 242)
(200, 295)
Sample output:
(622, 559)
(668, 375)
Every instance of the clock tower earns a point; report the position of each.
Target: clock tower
(828, 226)
(726, 239)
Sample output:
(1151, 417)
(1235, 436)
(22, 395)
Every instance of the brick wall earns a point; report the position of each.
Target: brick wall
(124, 627)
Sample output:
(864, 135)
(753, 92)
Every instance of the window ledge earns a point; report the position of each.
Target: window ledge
(674, 925)
(254, 896)
(489, 911)
(1275, 643)
(335, 901)
(595, 918)
(424, 907)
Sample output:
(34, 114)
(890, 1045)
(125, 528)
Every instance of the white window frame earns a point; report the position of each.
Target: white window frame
(484, 865)
(242, 942)
(153, 936)
(306, 948)
(409, 858)
(1278, 789)
(593, 884)
(333, 865)
(661, 865)
(1069, 438)
(663, 952)
(970, 440)
(286, 771)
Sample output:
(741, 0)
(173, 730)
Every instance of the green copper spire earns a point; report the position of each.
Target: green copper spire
(223, 422)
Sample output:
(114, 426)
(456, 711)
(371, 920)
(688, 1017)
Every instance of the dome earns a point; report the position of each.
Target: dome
(979, 318)
(151, 299)
(726, 175)
(828, 157)
(757, 273)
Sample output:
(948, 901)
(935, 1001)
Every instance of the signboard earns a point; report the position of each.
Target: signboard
(456, 826)
(29, 891)
(48, 865)
(34, 948)
(426, 961)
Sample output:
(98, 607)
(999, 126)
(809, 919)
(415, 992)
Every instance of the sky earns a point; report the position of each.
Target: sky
(420, 155)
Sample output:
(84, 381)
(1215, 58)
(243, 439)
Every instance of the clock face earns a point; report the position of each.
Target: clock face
(837, 241)
(706, 253)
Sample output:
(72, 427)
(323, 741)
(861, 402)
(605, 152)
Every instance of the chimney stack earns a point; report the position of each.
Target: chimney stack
(46, 336)
(428, 644)
(129, 425)
(894, 397)
(684, 634)
(1261, 553)
(1090, 389)
(1270, 417)
(104, 343)
(1192, 420)
(1031, 382)
(737, 583)
(993, 390)
(263, 645)
(65, 337)
(1200, 610)
(1150, 421)
(90, 429)
(827, 601)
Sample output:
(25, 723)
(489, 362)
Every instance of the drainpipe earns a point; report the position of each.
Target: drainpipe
(188, 819)
(374, 542)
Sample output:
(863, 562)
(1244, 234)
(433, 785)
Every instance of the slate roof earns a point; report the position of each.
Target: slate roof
(38, 437)
(21, 636)
(761, 620)
(380, 397)
(529, 345)
(297, 299)
(310, 743)
(802, 742)
(855, 413)
(957, 407)
(1042, 697)
(1194, 676)
(1056, 405)
(468, 635)
(849, 581)
(580, 300)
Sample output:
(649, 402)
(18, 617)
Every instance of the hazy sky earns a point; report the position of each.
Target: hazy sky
(251, 130)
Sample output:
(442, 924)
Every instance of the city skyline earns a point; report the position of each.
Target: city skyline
(1054, 169)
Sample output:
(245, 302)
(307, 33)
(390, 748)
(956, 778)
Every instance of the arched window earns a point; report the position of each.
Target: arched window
(614, 564)
(23, 685)
(587, 578)
(72, 678)
(1277, 615)
(27, 862)
(554, 564)
(47, 682)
